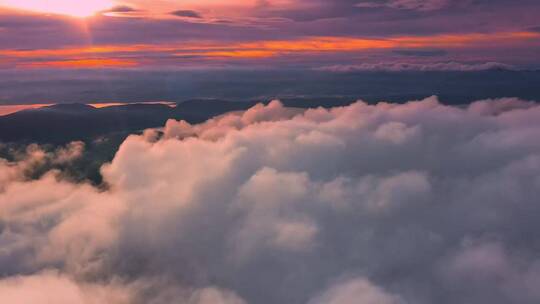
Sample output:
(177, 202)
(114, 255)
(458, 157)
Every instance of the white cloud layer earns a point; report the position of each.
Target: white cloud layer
(414, 203)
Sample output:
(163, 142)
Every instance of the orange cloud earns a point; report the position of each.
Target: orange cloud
(10, 109)
(107, 49)
(112, 55)
(344, 44)
(241, 54)
(83, 63)
(465, 40)
(319, 44)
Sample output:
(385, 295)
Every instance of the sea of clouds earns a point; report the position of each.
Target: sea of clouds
(418, 203)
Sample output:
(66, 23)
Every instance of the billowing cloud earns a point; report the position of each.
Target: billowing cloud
(357, 290)
(414, 203)
(36, 160)
(52, 287)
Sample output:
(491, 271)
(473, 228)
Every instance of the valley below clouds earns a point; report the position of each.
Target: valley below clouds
(413, 203)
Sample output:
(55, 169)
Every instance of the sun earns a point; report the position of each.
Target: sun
(80, 9)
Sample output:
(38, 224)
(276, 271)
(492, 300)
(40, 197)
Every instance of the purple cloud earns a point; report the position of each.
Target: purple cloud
(187, 14)
(425, 67)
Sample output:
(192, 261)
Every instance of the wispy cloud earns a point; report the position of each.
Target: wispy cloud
(421, 5)
(148, 55)
(422, 67)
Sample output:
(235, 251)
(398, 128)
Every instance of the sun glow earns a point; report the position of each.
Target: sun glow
(79, 9)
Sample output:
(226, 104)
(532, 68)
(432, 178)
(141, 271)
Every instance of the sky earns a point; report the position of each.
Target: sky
(333, 36)
(417, 183)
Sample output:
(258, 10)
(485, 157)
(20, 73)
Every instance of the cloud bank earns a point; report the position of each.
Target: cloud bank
(386, 204)
(421, 67)
(420, 5)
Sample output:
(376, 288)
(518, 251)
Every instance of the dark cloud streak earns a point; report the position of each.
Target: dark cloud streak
(187, 14)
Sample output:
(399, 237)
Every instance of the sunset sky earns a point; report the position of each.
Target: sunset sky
(308, 34)
(269, 151)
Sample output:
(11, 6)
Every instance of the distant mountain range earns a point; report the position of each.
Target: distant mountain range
(63, 123)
